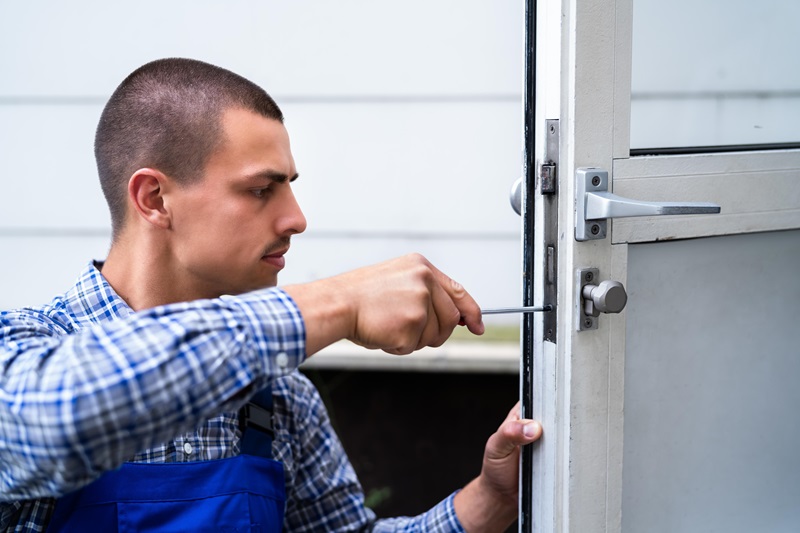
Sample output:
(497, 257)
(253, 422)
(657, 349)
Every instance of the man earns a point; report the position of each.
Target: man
(134, 376)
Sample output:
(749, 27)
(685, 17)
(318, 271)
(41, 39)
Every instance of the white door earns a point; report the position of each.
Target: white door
(680, 413)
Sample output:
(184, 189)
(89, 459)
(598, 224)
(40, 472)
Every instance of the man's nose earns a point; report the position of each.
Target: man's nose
(291, 221)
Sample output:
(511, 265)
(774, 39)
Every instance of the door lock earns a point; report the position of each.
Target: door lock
(595, 297)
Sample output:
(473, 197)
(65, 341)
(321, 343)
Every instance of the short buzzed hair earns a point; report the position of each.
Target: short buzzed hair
(167, 115)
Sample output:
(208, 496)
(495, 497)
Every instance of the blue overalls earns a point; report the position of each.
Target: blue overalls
(239, 494)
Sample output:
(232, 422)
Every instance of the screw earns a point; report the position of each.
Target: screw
(552, 129)
(587, 323)
(549, 332)
(595, 180)
(595, 229)
(589, 276)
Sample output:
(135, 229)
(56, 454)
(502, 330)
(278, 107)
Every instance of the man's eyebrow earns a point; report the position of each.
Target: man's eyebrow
(272, 175)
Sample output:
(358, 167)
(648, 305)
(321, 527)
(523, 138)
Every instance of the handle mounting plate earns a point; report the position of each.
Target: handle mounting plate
(589, 180)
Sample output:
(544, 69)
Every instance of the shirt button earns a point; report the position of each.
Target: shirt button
(187, 448)
(282, 359)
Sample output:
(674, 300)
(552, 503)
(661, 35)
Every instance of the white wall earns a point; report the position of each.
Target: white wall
(405, 118)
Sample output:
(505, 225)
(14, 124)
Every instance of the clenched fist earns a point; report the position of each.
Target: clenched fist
(398, 306)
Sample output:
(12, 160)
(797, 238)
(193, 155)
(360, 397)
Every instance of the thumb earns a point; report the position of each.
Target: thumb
(510, 435)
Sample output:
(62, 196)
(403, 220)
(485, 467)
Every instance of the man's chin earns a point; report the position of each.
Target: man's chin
(264, 284)
(256, 285)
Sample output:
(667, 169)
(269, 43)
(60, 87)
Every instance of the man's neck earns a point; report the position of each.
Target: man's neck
(144, 275)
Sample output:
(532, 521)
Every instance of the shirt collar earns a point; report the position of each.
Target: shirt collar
(92, 299)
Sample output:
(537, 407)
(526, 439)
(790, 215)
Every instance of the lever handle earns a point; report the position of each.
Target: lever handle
(608, 205)
(595, 205)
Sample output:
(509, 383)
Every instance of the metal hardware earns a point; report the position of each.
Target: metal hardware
(608, 297)
(595, 298)
(548, 188)
(505, 310)
(550, 289)
(595, 205)
(259, 418)
(516, 196)
(548, 178)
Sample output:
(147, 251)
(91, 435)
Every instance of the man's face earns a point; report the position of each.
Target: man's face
(232, 228)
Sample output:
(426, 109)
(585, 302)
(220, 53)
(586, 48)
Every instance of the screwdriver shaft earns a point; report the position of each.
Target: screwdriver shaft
(504, 310)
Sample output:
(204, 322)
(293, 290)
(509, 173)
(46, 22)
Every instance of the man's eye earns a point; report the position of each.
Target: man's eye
(261, 193)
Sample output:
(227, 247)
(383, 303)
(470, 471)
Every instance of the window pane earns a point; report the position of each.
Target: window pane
(715, 72)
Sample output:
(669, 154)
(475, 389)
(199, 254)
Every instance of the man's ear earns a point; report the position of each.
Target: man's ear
(145, 192)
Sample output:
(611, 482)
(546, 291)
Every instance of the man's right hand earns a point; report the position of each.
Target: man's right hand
(398, 306)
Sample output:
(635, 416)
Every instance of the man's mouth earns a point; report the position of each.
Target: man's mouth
(276, 259)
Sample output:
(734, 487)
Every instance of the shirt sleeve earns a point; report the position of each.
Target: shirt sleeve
(75, 403)
(440, 519)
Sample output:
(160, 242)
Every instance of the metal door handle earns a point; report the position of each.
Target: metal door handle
(608, 205)
(595, 205)
(608, 297)
(594, 298)
(515, 196)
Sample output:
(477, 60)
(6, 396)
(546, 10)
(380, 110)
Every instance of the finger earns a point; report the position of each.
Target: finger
(469, 310)
(443, 317)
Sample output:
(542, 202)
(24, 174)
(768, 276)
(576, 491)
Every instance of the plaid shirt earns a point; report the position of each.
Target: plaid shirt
(87, 384)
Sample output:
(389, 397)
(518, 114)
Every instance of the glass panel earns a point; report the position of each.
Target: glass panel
(715, 72)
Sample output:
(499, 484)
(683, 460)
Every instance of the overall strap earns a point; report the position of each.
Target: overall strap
(256, 423)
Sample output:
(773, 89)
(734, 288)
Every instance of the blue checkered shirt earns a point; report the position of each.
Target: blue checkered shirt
(87, 384)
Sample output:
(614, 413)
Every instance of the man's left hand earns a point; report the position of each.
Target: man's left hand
(489, 502)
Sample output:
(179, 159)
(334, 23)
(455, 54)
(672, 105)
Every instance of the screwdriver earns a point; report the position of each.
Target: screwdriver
(505, 310)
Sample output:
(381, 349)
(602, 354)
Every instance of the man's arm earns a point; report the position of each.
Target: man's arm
(324, 493)
(74, 404)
